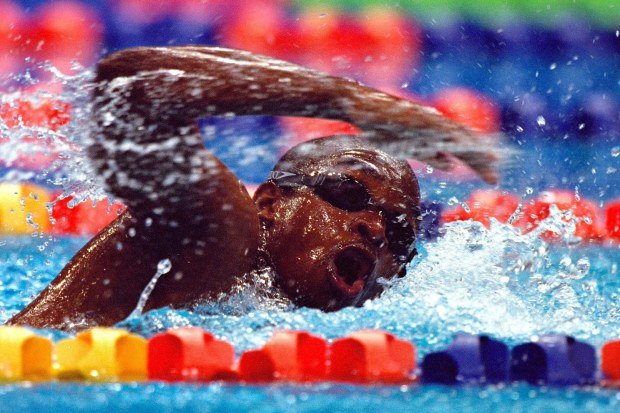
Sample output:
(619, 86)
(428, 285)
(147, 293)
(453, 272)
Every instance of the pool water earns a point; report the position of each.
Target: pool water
(299, 398)
(472, 279)
(496, 281)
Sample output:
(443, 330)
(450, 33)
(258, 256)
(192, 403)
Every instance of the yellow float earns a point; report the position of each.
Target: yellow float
(102, 354)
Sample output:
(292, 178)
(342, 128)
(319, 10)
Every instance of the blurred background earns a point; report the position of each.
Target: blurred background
(543, 75)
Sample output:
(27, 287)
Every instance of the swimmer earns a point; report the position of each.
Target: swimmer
(335, 215)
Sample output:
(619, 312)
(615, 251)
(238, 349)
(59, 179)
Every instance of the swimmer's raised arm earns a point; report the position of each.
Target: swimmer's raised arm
(184, 205)
(205, 81)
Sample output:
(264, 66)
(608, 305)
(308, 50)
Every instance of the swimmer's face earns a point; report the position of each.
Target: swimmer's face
(333, 233)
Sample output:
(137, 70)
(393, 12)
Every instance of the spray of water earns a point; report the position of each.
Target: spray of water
(473, 279)
(67, 166)
(163, 267)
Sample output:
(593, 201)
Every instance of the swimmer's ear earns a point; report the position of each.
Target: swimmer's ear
(265, 198)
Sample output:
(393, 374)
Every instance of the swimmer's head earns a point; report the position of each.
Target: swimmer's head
(337, 215)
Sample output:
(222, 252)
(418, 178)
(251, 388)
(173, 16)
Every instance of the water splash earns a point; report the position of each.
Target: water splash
(52, 151)
(473, 279)
(163, 267)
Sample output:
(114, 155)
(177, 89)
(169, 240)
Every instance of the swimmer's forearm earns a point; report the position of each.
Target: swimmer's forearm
(196, 81)
(177, 85)
(185, 83)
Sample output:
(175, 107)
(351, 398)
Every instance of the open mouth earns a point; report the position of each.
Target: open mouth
(351, 270)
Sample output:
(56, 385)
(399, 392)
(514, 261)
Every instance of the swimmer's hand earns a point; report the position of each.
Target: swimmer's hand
(407, 130)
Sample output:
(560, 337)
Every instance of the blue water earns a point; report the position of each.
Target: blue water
(300, 398)
(469, 280)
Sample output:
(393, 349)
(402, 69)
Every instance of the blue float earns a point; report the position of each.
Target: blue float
(554, 360)
(468, 359)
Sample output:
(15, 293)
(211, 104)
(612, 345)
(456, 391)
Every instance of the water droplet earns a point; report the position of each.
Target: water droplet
(553, 66)
(615, 151)
(164, 266)
(583, 266)
(540, 120)
(529, 190)
(515, 214)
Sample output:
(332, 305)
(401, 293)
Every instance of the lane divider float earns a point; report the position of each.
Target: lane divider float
(191, 354)
(102, 354)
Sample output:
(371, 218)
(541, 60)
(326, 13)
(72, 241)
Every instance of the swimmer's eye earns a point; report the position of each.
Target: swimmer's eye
(338, 189)
(344, 193)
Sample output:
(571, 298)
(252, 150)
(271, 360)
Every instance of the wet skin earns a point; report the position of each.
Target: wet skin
(186, 206)
(325, 256)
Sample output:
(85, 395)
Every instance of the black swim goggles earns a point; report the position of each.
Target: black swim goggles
(348, 194)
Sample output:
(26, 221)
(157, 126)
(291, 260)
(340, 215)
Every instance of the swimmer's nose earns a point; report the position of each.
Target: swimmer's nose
(372, 230)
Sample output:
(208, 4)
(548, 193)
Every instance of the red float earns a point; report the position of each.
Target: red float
(272, 34)
(256, 366)
(372, 356)
(189, 354)
(377, 46)
(303, 129)
(85, 218)
(29, 112)
(63, 32)
(483, 205)
(289, 356)
(610, 360)
(11, 27)
(612, 220)
(468, 107)
(588, 225)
